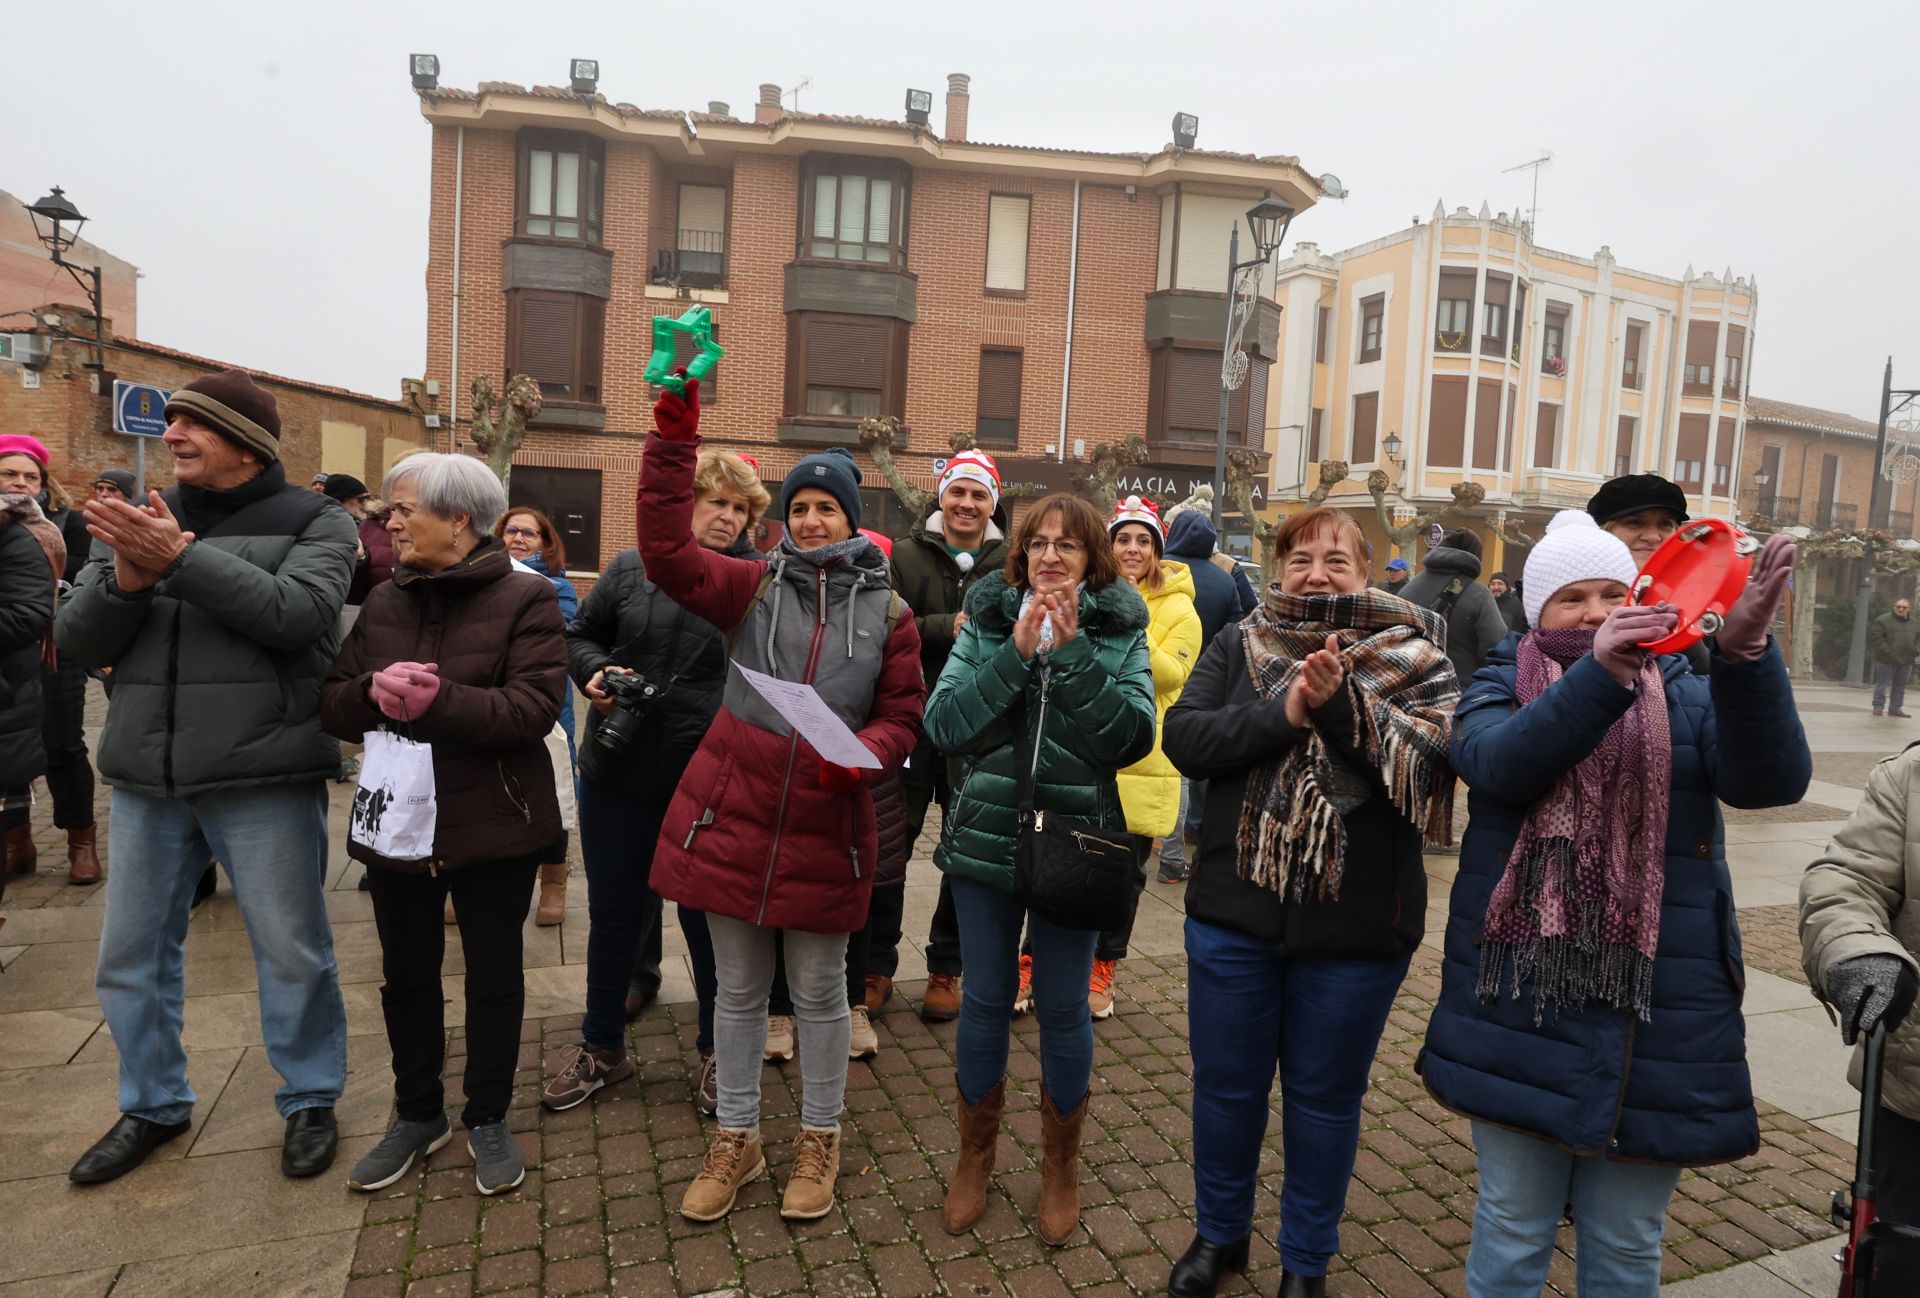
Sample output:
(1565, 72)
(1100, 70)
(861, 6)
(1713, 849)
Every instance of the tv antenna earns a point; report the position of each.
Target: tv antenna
(1536, 166)
(806, 83)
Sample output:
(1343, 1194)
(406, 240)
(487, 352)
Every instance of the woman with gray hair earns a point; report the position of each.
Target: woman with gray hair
(461, 652)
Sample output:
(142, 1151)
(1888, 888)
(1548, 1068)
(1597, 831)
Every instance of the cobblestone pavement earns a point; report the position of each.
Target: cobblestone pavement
(596, 1214)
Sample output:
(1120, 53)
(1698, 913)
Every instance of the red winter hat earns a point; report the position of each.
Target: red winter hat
(974, 466)
(1136, 509)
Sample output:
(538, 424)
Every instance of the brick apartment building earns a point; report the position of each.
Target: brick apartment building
(854, 267)
(1817, 466)
(67, 404)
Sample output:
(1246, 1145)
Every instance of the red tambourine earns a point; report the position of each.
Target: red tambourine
(1700, 570)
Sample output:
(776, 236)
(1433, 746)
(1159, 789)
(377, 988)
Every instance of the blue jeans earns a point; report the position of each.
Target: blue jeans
(617, 838)
(1619, 1218)
(990, 922)
(273, 841)
(1249, 1004)
(1890, 684)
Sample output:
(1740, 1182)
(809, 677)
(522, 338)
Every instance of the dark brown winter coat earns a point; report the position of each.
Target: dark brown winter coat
(495, 635)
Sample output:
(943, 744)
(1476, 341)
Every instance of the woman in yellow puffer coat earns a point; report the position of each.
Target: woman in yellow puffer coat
(1150, 788)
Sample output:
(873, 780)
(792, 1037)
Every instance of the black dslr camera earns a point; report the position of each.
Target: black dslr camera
(633, 697)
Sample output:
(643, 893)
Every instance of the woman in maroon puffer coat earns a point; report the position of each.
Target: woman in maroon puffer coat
(764, 834)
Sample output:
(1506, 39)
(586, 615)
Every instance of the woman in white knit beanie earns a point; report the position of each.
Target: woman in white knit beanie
(1589, 1017)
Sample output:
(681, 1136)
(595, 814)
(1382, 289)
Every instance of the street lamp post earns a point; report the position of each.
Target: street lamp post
(57, 222)
(1267, 221)
(1858, 669)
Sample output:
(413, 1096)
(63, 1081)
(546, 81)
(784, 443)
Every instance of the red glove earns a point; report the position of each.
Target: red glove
(840, 779)
(677, 415)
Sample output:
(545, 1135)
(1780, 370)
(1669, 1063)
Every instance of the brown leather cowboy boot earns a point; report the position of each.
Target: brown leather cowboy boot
(83, 864)
(967, 1189)
(22, 856)
(1059, 1212)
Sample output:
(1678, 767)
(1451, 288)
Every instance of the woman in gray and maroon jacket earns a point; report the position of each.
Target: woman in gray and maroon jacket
(464, 653)
(764, 834)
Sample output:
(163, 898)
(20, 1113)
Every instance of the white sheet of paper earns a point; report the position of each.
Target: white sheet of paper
(817, 723)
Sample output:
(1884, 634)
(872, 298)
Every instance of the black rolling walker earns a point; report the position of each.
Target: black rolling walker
(1854, 1212)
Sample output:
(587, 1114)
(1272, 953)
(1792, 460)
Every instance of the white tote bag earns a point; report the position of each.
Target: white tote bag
(394, 809)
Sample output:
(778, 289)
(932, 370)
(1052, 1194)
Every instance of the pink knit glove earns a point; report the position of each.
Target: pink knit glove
(404, 691)
(1744, 634)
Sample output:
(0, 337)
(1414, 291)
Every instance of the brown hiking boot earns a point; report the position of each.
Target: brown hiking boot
(879, 992)
(83, 864)
(941, 1004)
(22, 856)
(733, 1159)
(1058, 1214)
(816, 1166)
(585, 1073)
(553, 895)
(979, 1123)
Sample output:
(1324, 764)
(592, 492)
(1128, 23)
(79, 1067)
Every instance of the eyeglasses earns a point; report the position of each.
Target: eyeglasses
(532, 533)
(1066, 549)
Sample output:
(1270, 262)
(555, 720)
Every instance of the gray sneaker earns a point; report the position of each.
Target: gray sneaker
(389, 1160)
(497, 1165)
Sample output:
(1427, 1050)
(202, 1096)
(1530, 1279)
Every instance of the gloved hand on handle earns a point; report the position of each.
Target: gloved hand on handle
(1743, 636)
(1616, 645)
(677, 415)
(1871, 989)
(405, 690)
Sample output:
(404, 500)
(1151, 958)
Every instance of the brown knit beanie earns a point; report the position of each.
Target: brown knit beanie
(237, 408)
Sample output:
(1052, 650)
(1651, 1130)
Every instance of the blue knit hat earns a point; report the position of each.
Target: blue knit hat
(834, 472)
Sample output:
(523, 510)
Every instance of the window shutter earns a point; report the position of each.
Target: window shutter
(1206, 227)
(1693, 438)
(1193, 393)
(1486, 426)
(1252, 404)
(593, 320)
(846, 354)
(703, 208)
(1723, 450)
(1447, 423)
(1320, 335)
(1623, 445)
(547, 342)
(1007, 220)
(1366, 418)
(1546, 431)
(1315, 447)
(1736, 341)
(1000, 384)
(1497, 288)
(1702, 336)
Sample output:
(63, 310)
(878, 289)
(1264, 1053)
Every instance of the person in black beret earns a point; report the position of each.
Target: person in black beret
(1642, 509)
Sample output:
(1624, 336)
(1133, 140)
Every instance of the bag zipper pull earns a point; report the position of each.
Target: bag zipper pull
(856, 861)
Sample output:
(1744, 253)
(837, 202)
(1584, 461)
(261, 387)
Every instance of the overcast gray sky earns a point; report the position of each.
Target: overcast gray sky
(265, 164)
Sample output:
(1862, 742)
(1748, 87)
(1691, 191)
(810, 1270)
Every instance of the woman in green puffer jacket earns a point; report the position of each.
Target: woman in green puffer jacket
(1058, 624)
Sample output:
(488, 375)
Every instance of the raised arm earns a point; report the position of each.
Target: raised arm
(1757, 754)
(289, 608)
(708, 584)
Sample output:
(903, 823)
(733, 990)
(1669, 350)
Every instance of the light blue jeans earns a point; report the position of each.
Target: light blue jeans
(272, 839)
(1619, 1218)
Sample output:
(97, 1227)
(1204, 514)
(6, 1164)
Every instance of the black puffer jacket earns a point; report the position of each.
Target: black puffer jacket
(26, 610)
(627, 621)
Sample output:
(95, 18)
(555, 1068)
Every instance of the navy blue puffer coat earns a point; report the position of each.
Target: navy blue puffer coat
(1674, 1090)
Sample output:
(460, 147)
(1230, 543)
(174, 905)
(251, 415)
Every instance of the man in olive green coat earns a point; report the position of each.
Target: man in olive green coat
(218, 610)
(963, 538)
(1893, 641)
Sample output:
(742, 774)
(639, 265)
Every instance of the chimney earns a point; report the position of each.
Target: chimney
(957, 105)
(768, 110)
(719, 108)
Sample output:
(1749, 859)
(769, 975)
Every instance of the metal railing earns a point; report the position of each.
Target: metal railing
(1782, 510)
(1833, 514)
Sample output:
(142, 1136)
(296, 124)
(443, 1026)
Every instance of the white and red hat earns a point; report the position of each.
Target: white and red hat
(1136, 509)
(976, 466)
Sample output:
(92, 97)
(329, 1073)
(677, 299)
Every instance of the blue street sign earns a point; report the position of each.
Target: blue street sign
(139, 408)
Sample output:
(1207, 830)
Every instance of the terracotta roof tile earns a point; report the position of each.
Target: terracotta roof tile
(1765, 410)
(173, 353)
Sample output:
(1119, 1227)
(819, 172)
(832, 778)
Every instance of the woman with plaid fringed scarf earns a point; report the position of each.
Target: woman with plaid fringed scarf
(1589, 1015)
(1321, 726)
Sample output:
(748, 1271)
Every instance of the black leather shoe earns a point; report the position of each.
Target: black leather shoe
(1201, 1268)
(1302, 1286)
(124, 1148)
(312, 1138)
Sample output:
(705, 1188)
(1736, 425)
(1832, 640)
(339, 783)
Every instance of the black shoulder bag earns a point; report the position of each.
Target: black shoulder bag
(1069, 871)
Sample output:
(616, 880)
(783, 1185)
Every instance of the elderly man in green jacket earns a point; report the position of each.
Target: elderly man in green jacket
(218, 609)
(1893, 641)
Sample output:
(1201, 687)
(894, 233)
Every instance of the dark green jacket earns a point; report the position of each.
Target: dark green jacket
(1893, 640)
(217, 670)
(1100, 718)
(934, 586)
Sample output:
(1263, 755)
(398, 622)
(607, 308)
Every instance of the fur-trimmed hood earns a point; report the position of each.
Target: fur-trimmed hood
(1112, 610)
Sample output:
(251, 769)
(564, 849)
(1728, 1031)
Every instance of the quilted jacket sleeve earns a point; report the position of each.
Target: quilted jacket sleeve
(289, 608)
(1849, 896)
(98, 623)
(710, 585)
(899, 698)
(1108, 717)
(26, 590)
(984, 677)
(1516, 754)
(1755, 747)
(1173, 644)
(593, 633)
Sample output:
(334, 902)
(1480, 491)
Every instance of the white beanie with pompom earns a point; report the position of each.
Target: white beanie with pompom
(1575, 548)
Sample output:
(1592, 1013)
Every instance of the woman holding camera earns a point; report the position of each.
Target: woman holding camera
(653, 673)
(1052, 667)
(764, 834)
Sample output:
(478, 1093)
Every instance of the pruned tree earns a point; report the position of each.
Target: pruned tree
(876, 436)
(1332, 474)
(1242, 466)
(1099, 481)
(1402, 535)
(500, 424)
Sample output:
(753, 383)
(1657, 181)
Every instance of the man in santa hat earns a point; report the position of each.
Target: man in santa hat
(963, 537)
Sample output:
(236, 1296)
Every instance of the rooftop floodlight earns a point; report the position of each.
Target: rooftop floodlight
(1186, 129)
(425, 69)
(586, 76)
(919, 105)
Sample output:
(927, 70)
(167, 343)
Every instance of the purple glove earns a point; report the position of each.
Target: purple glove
(1744, 634)
(1616, 645)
